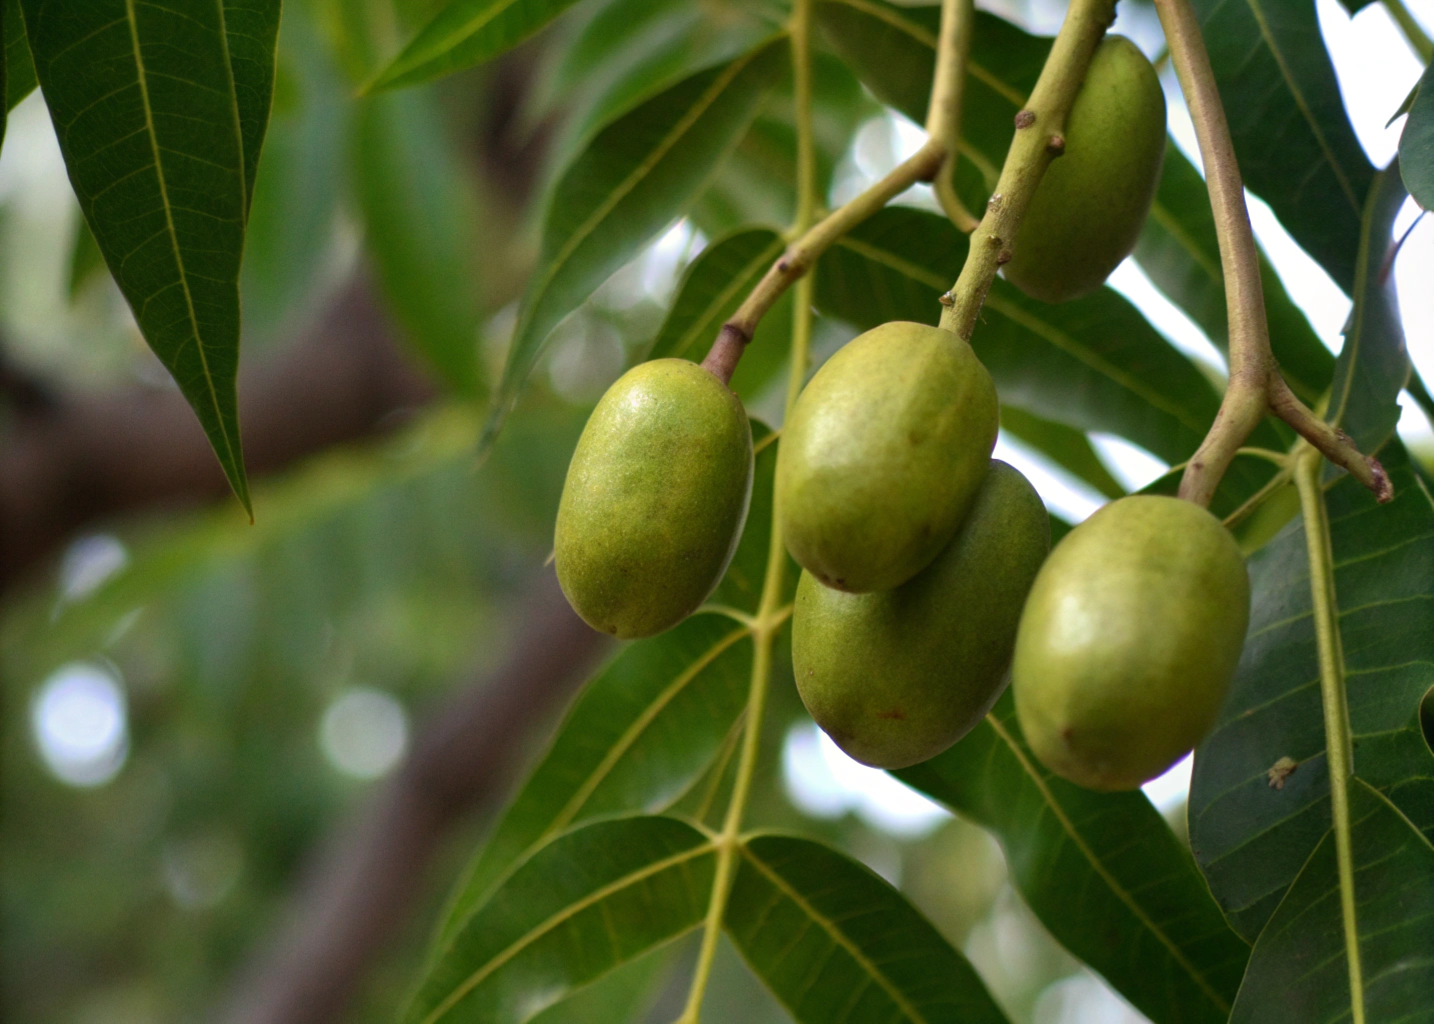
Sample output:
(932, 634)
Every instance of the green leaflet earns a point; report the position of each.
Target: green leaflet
(160, 117)
(1251, 835)
(17, 70)
(632, 180)
(419, 219)
(1416, 143)
(647, 726)
(835, 942)
(586, 903)
(1298, 970)
(1374, 364)
(1093, 364)
(1065, 446)
(893, 50)
(1273, 70)
(1079, 857)
(464, 33)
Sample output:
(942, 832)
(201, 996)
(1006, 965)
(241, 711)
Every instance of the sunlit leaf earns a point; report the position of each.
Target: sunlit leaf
(464, 33)
(1373, 362)
(1299, 970)
(1102, 871)
(584, 904)
(646, 727)
(160, 116)
(419, 219)
(835, 942)
(1416, 143)
(634, 178)
(1296, 146)
(1252, 831)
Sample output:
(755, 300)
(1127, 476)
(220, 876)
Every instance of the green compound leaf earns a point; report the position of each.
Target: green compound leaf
(634, 178)
(835, 942)
(419, 222)
(1102, 871)
(464, 33)
(893, 51)
(1374, 363)
(160, 116)
(584, 904)
(1296, 146)
(647, 726)
(1416, 143)
(1092, 364)
(1299, 969)
(1253, 820)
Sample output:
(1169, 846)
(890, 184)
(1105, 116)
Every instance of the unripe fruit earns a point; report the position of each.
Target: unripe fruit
(1089, 207)
(1129, 641)
(883, 454)
(898, 676)
(654, 500)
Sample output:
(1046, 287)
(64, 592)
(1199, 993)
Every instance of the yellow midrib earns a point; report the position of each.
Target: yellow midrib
(143, 80)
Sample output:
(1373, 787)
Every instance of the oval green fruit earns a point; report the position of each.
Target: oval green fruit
(898, 676)
(655, 499)
(1088, 210)
(883, 455)
(1129, 641)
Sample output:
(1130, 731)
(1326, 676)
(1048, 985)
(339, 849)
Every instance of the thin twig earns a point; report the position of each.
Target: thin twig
(1040, 138)
(1256, 386)
(943, 116)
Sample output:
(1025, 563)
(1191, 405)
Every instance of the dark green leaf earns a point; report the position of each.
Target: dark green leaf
(622, 995)
(17, 70)
(584, 904)
(251, 32)
(419, 218)
(1102, 871)
(1374, 363)
(893, 50)
(834, 942)
(158, 131)
(464, 33)
(1070, 449)
(1355, 6)
(1251, 837)
(1296, 147)
(634, 178)
(1179, 251)
(1416, 143)
(85, 257)
(1299, 971)
(1093, 364)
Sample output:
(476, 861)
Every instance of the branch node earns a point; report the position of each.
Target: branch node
(1025, 119)
(946, 299)
(1383, 489)
(1003, 257)
(1057, 145)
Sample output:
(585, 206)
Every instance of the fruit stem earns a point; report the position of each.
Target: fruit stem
(1338, 753)
(1419, 40)
(943, 115)
(802, 254)
(770, 614)
(1256, 386)
(1039, 139)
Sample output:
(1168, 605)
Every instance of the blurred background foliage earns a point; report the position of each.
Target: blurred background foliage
(191, 703)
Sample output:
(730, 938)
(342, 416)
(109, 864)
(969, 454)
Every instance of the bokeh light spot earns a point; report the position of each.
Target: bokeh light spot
(364, 733)
(79, 722)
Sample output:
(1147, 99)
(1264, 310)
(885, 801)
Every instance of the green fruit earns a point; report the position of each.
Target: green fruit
(655, 498)
(1088, 211)
(898, 676)
(883, 455)
(1129, 641)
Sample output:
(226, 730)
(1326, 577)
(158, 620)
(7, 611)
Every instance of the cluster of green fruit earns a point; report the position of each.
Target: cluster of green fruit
(926, 583)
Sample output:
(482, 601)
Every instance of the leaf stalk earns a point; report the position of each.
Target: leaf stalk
(1256, 385)
(943, 115)
(1338, 745)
